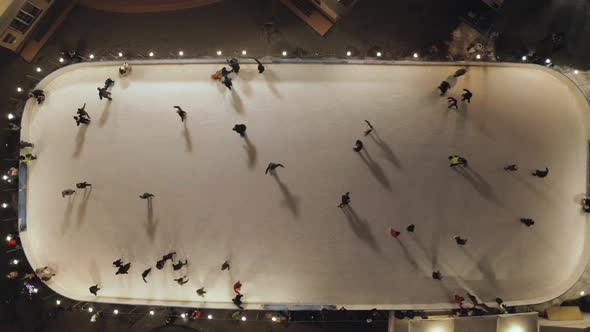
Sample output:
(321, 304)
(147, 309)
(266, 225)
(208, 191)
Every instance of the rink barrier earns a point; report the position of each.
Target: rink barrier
(278, 60)
(22, 197)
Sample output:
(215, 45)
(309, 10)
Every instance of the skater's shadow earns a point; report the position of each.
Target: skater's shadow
(105, 114)
(433, 253)
(245, 77)
(408, 255)
(270, 77)
(478, 183)
(251, 151)
(291, 201)
(187, 137)
(236, 102)
(529, 186)
(124, 82)
(452, 81)
(68, 213)
(80, 138)
(386, 149)
(361, 228)
(152, 223)
(94, 274)
(484, 267)
(83, 205)
(375, 169)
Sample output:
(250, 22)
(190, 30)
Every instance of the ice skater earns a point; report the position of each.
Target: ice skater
(227, 82)
(103, 93)
(511, 168)
(443, 87)
(201, 291)
(466, 96)
(225, 266)
(108, 83)
(541, 173)
(411, 228)
(271, 168)
(83, 185)
(452, 102)
(125, 69)
(179, 265)
(344, 200)
(180, 113)
(146, 196)
(234, 64)
(457, 160)
(460, 72)
(118, 262)
(460, 241)
(358, 146)
(145, 274)
(82, 111)
(169, 256)
(67, 192)
(25, 144)
(39, 95)
(368, 131)
(260, 66)
(225, 72)
(527, 221)
(181, 281)
(240, 129)
(238, 301)
(94, 290)
(238, 287)
(123, 269)
(27, 157)
(436, 275)
(81, 119)
(459, 300)
(394, 232)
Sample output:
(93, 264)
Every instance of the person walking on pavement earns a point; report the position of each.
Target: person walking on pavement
(181, 281)
(527, 221)
(237, 287)
(201, 291)
(460, 241)
(94, 290)
(81, 119)
(39, 95)
(358, 146)
(271, 168)
(83, 185)
(27, 157)
(541, 173)
(146, 195)
(179, 265)
(234, 64)
(466, 96)
(118, 262)
(394, 232)
(260, 66)
(411, 228)
(459, 300)
(25, 144)
(103, 93)
(443, 87)
(460, 72)
(67, 192)
(180, 113)
(452, 102)
(511, 168)
(123, 269)
(145, 274)
(344, 200)
(457, 160)
(108, 83)
(225, 266)
(227, 82)
(240, 129)
(238, 301)
(82, 112)
(436, 275)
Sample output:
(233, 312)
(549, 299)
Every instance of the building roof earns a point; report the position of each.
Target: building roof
(8, 10)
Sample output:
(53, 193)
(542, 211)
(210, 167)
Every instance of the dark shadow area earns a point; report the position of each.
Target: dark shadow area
(375, 169)
(236, 102)
(105, 113)
(408, 255)
(80, 138)
(484, 266)
(452, 81)
(270, 77)
(245, 77)
(84, 204)
(152, 223)
(187, 137)
(478, 183)
(68, 212)
(290, 201)
(529, 186)
(361, 228)
(251, 151)
(385, 149)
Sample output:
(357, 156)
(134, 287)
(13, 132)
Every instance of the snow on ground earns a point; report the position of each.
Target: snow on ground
(287, 241)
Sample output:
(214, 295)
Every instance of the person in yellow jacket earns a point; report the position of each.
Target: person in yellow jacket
(457, 160)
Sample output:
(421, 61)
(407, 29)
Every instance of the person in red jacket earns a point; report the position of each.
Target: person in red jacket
(237, 287)
(393, 232)
(459, 300)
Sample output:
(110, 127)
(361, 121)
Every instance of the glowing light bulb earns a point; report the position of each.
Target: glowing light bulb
(15, 261)
(4, 205)
(181, 53)
(478, 56)
(218, 52)
(415, 55)
(524, 58)
(61, 60)
(243, 318)
(582, 293)
(38, 69)
(91, 56)
(58, 302)
(348, 53)
(547, 60)
(90, 309)
(116, 311)
(10, 116)
(151, 54)
(576, 72)
(274, 319)
(209, 316)
(19, 89)
(152, 312)
(284, 53)
(244, 52)
(120, 54)
(379, 54)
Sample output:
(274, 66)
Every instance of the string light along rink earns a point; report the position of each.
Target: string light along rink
(213, 201)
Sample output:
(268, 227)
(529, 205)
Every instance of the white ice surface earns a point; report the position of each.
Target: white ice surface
(286, 239)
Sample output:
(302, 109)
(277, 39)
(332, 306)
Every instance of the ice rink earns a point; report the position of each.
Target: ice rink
(287, 241)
